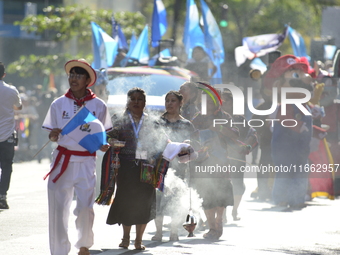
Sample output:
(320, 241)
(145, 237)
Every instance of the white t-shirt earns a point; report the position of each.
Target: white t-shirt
(9, 97)
(62, 110)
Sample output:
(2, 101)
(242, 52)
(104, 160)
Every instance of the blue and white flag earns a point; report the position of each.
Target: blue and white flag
(193, 35)
(141, 50)
(133, 42)
(297, 42)
(257, 46)
(159, 23)
(85, 129)
(212, 33)
(263, 44)
(118, 35)
(114, 24)
(122, 39)
(104, 47)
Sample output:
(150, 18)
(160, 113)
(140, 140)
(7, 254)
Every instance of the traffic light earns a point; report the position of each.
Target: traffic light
(224, 13)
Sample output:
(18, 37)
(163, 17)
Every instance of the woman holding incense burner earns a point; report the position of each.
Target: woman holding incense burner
(135, 201)
(180, 130)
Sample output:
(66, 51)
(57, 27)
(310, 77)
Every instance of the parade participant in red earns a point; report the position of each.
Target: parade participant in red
(290, 143)
(75, 172)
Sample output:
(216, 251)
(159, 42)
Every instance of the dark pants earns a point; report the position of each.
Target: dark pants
(6, 161)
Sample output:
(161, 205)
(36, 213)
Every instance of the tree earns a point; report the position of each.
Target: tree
(254, 17)
(71, 26)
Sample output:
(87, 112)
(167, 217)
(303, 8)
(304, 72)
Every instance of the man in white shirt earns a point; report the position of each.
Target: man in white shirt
(10, 101)
(73, 167)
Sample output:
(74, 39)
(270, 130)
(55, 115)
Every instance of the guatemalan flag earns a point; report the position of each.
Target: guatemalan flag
(193, 35)
(85, 129)
(118, 35)
(140, 51)
(104, 47)
(297, 43)
(213, 40)
(258, 46)
(159, 23)
(212, 33)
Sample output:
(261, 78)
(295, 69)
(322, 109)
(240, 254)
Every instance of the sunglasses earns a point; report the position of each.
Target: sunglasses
(76, 76)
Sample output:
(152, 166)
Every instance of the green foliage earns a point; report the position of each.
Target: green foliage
(32, 65)
(254, 17)
(62, 24)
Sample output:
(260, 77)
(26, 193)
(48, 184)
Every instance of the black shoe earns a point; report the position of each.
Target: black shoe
(3, 204)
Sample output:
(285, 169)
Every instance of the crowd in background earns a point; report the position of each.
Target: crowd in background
(29, 120)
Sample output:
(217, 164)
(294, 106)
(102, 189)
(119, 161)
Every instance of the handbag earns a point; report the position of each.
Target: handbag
(148, 173)
(154, 174)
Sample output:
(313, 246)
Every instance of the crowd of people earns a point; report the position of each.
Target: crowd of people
(182, 141)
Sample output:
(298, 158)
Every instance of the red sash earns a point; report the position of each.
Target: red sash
(67, 153)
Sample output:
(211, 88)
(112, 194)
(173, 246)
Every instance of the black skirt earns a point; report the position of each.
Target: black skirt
(215, 192)
(134, 202)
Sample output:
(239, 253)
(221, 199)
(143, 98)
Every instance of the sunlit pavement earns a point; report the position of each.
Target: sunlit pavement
(261, 230)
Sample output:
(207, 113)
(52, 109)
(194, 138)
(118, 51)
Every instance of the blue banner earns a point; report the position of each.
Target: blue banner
(193, 35)
(212, 33)
(104, 47)
(159, 23)
(141, 50)
(297, 42)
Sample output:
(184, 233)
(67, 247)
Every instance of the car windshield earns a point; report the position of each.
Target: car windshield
(153, 84)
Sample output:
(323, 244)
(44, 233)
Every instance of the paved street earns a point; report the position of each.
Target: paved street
(261, 230)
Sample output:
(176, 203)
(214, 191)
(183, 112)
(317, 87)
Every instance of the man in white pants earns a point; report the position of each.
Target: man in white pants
(73, 167)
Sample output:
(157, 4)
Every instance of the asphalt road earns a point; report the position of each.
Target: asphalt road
(261, 230)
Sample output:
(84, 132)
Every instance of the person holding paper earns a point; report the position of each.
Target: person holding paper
(135, 199)
(70, 120)
(178, 130)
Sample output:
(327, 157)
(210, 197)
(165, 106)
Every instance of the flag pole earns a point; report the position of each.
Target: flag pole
(41, 148)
